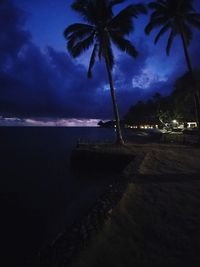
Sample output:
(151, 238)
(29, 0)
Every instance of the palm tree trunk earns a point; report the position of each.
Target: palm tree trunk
(196, 94)
(114, 102)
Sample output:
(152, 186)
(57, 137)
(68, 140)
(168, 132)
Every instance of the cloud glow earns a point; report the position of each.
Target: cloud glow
(146, 79)
(30, 122)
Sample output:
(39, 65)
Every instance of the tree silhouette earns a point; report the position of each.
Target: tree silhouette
(102, 29)
(178, 17)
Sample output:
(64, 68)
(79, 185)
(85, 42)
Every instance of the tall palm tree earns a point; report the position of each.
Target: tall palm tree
(102, 28)
(178, 17)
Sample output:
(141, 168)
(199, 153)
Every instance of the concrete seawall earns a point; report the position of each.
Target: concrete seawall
(91, 159)
(68, 244)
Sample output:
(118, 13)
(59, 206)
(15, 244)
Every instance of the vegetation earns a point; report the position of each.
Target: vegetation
(152, 112)
(161, 110)
(142, 113)
(178, 17)
(103, 28)
(183, 96)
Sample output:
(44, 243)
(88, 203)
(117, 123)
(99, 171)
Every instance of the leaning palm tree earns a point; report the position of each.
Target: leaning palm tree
(102, 28)
(178, 17)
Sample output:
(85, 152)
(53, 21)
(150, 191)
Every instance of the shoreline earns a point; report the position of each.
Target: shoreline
(32, 169)
(156, 222)
(85, 230)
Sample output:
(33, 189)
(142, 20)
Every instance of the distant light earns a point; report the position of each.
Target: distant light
(175, 121)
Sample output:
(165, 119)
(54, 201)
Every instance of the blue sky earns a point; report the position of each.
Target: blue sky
(40, 79)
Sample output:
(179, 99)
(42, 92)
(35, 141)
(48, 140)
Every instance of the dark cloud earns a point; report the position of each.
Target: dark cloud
(47, 85)
(36, 83)
(12, 37)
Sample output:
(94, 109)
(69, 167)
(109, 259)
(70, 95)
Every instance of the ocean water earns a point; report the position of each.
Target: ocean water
(39, 195)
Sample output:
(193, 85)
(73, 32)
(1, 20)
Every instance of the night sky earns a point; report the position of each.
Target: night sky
(38, 78)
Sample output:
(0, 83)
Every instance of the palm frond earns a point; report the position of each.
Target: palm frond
(116, 2)
(86, 8)
(80, 6)
(77, 27)
(103, 11)
(170, 41)
(162, 2)
(195, 22)
(177, 16)
(149, 27)
(193, 15)
(139, 9)
(123, 20)
(157, 5)
(156, 14)
(154, 23)
(81, 46)
(124, 45)
(77, 36)
(71, 43)
(92, 61)
(102, 28)
(163, 30)
(185, 5)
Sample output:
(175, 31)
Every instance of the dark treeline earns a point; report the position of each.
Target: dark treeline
(164, 109)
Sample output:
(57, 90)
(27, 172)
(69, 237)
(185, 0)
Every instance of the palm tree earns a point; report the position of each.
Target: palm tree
(102, 28)
(177, 17)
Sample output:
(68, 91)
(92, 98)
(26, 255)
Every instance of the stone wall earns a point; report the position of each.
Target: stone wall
(69, 244)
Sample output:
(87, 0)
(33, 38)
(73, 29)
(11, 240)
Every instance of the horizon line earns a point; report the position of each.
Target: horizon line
(48, 122)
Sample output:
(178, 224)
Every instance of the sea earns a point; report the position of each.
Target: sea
(40, 196)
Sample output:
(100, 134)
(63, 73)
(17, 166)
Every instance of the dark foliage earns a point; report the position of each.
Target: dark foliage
(176, 17)
(142, 113)
(183, 95)
(179, 105)
(102, 28)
